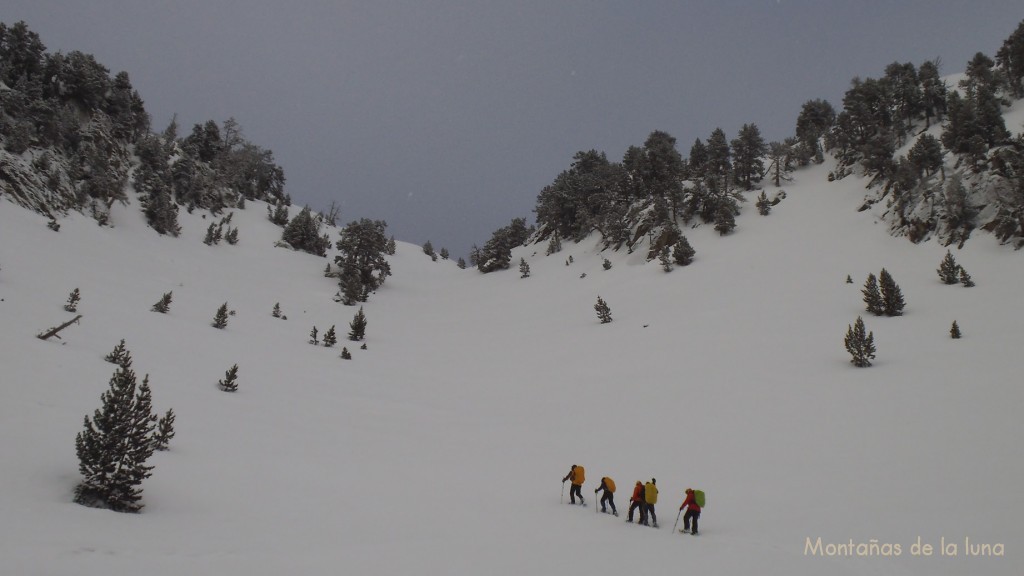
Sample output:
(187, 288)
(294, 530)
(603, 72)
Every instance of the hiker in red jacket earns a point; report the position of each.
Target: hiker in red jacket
(636, 501)
(692, 511)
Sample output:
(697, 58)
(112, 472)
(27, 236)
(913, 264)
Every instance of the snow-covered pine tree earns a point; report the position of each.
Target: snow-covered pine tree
(220, 320)
(230, 381)
(231, 236)
(358, 326)
(965, 278)
(764, 206)
(164, 305)
(276, 312)
(872, 296)
(892, 296)
(665, 259)
(607, 264)
(115, 444)
(444, 253)
(120, 356)
(954, 330)
(604, 312)
(211, 235)
(554, 244)
(948, 271)
(428, 249)
(345, 354)
(73, 299)
(524, 268)
(682, 252)
(860, 344)
(164, 430)
(330, 337)
(461, 263)
(313, 337)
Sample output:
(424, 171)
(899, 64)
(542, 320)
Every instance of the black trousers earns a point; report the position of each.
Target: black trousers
(686, 520)
(574, 492)
(633, 505)
(608, 497)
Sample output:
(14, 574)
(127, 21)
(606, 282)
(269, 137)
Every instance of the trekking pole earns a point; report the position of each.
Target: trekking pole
(677, 520)
(561, 499)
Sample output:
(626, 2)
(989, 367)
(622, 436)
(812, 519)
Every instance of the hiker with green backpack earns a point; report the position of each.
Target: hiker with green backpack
(693, 503)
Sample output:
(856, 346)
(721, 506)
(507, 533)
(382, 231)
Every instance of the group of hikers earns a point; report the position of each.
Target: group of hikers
(644, 497)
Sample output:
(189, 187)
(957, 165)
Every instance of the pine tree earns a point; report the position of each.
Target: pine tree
(115, 444)
(965, 278)
(220, 320)
(872, 296)
(764, 206)
(682, 252)
(524, 268)
(861, 346)
(330, 338)
(313, 338)
(230, 381)
(73, 298)
(345, 354)
(892, 297)
(554, 244)
(444, 253)
(848, 279)
(276, 312)
(607, 264)
(954, 330)
(358, 326)
(725, 221)
(948, 270)
(120, 356)
(665, 259)
(428, 249)
(604, 313)
(231, 236)
(461, 263)
(164, 430)
(211, 235)
(164, 305)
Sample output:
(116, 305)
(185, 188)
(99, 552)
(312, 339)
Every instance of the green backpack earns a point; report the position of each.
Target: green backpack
(698, 497)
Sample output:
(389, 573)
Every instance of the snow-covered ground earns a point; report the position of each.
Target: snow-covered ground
(440, 448)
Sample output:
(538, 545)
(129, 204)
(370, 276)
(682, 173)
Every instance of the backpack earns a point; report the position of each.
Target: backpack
(698, 497)
(609, 484)
(578, 475)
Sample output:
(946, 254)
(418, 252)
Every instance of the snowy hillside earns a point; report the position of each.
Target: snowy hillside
(440, 448)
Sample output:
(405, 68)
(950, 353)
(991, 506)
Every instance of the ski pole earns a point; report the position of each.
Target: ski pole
(677, 520)
(561, 499)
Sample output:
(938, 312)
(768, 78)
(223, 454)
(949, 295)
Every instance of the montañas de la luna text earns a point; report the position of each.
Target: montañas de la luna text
(873, 547)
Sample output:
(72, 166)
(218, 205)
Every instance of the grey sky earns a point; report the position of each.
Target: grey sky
(446, 118)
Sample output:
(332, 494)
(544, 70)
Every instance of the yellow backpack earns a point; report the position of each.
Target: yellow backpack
(578, 475)
(610, 484)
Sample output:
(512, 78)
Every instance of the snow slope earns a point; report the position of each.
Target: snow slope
(440, 448)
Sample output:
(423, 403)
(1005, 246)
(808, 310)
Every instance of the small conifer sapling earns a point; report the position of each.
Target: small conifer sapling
(276, 312)
(965, 278)
(230, 381)
(524, 268)
(948, 270)
(330, 337)
(220, 320)
(164, 305)
(872, 296)
(73, 299)
(313, 336)
(120, 356)
(954, 331)
(604, 312)
(345, 354)
(860, 344)
(357, 326)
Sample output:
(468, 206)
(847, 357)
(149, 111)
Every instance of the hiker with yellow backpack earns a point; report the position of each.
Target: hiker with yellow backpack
(650, 499)
(693, 503)
(577, 476)
(608, 485)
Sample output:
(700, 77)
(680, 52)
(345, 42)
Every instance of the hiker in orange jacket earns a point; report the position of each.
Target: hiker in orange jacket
(608, 485)
(692, 511)
(636, 501)
(576, 474)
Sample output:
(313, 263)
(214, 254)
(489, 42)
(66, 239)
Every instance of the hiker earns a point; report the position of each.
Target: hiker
(650, 499)
(637, 501)
(608, 485)
(692, 511)
(576, 474)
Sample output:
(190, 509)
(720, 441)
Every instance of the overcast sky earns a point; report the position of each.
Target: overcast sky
(446, 118)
